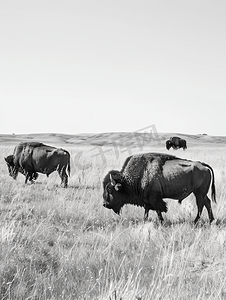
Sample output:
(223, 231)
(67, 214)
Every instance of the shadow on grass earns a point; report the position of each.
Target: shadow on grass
(221, 223)
(202, 223)
(168, 223)
(82, 186)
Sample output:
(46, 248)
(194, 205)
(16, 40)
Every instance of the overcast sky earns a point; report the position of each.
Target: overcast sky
(96, 66)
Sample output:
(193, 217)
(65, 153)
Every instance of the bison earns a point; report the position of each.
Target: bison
(146, 179)
(176, 143)
(34, 157)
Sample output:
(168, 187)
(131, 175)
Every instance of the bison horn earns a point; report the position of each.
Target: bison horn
(113, 182)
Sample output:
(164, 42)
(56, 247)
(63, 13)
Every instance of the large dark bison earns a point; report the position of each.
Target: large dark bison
(146, 179)
(32, 158)
(176, 143)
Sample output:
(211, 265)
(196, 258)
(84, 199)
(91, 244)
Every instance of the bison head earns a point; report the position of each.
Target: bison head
(13, 170)
(113, 196)
(169, 144)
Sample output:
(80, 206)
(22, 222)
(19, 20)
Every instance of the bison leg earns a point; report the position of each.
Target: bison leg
(200, 205)
(207, 204)
(201, 202)
(63, 175)
(34, 176)
(65, 180)
(146, 214)
(160, 206)
(160, 216)
(157, 204)
(158, 213)
(27, 176)
(30, 177)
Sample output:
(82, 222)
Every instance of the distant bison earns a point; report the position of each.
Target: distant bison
(176, 143)
(146, 179)
(32, 158)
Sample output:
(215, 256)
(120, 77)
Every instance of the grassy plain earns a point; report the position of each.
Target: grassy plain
(61, 243)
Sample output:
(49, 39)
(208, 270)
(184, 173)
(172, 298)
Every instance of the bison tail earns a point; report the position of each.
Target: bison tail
(68, 165)
(213, 189)
(69, 168)
(213, 193)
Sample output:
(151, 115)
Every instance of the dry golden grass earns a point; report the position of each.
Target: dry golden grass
(63, 244)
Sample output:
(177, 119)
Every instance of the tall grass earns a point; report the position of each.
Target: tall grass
(62, 244)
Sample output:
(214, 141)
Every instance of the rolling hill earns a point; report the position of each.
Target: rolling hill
(111, 138)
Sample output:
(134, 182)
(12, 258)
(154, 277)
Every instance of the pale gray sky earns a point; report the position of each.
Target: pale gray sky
(98, 65)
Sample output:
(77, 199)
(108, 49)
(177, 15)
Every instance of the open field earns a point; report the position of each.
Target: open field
(61, 243)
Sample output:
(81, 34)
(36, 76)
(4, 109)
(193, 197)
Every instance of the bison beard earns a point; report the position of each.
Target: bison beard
(146, 179)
